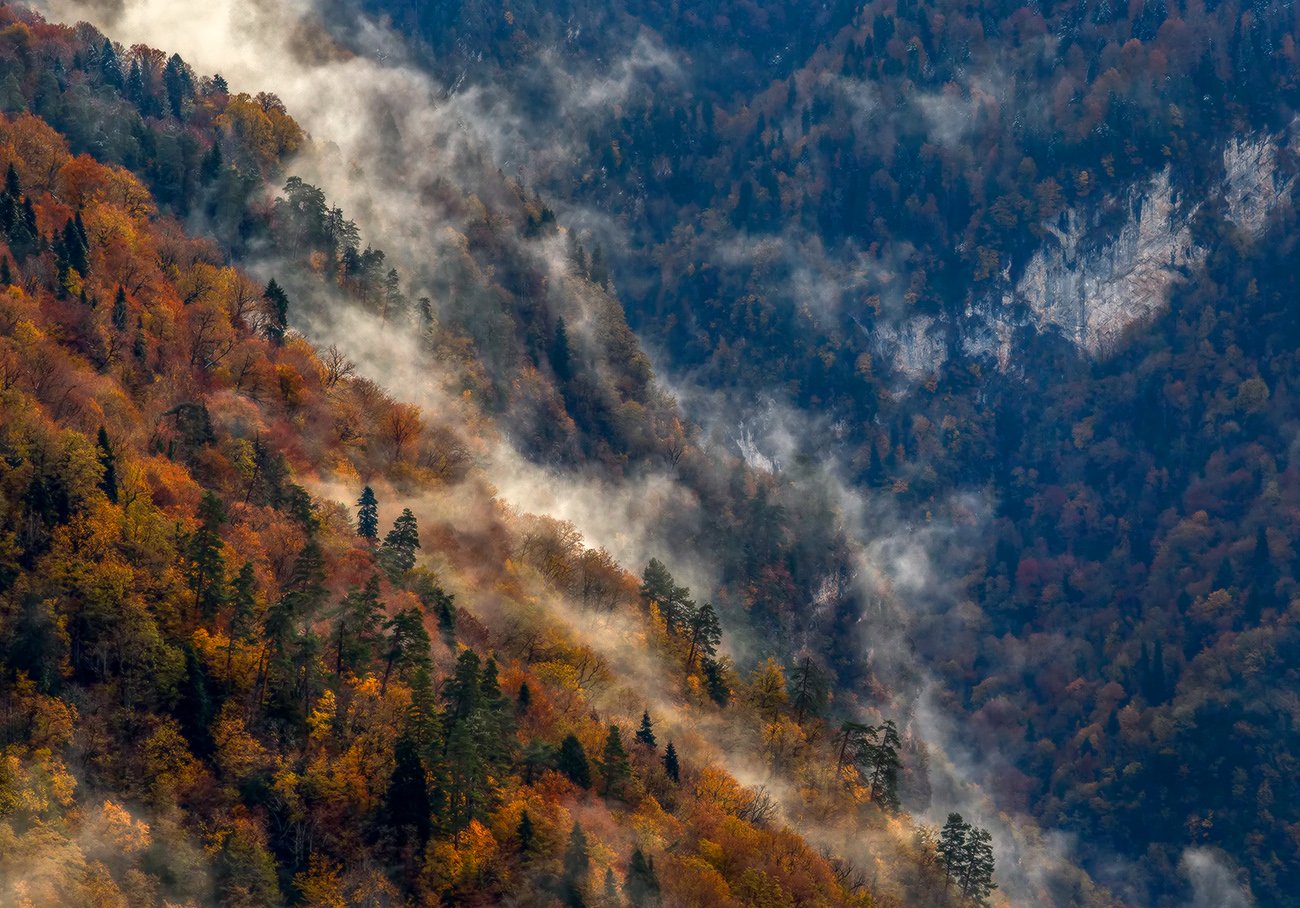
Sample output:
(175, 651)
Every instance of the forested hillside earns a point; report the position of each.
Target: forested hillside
(980, 324)
(848, 231)
(268, 637)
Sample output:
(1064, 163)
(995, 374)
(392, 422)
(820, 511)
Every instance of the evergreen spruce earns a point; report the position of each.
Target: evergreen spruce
(207, 564)
(561, 354)
(108, 463)
(397, 554)
(671, 766)
(277, 316)
(210, 169)
(110, 67)
(572, 761)
(135, 90)
(368, 515)
(952, 843)
(614, 765)
(407, 647)
(646, 733)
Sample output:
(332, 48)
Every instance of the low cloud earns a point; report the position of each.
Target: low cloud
(1215, 882)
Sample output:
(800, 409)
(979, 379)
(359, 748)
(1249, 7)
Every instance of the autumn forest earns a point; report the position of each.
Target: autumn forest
(631, 455)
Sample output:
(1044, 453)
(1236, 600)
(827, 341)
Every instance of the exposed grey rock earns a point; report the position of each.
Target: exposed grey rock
(1104, 266)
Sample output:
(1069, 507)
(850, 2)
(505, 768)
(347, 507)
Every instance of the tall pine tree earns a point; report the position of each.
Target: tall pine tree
(397, 554)
(368, 515)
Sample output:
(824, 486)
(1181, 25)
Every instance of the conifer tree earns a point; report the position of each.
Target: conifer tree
(537, 756)
(657, 586)
(286, 629)
(110, 66)
(407, 648)
(277, 315)
(444, 609)
(496, 725)
(977, 878)
(477, 741)
(464, 690)
(210, 169)
(715, 682)
(424, 318)
(358, 628)
(671, 766)
(243, 602)
(423, 715)
(306, 587)
(525, 832)
(407, 809)
(75, 252)
(178, 84)
(884, 765)
(135, 90)
(577, 867)
(394, 301)
(642, 885)
(572, 761)
(561, 354)
(614, 764)
(397, 554)
(808, 689)
(437, 602)
(108, 463)
(952, 847)
(599, 268)
(705, 633)
(207, 565)
(368, 515)
(645, 735)
(849, 736)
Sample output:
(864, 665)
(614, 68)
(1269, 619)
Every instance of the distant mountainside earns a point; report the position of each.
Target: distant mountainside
(1033, 255)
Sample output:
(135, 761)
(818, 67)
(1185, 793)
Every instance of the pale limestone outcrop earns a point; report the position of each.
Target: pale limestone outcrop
(1104, 266)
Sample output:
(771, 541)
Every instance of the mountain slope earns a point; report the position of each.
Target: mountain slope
(221, 688)
(992, 292)
(1089, 197)
(191, 638)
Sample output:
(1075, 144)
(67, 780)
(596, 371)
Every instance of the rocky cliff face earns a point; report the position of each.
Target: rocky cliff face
(1092, 285)
(1106, 265)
